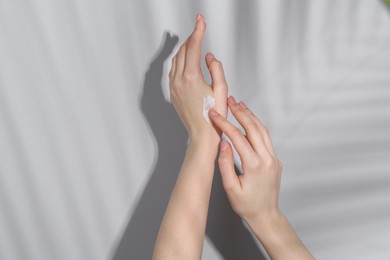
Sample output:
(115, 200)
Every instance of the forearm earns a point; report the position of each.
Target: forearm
(182, 230)
(278, 237)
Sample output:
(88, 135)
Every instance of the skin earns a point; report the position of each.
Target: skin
(254, 195)
(183, 227)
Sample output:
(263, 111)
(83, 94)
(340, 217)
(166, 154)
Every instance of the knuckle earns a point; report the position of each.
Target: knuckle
(271, 163)
(265, 130)
(254, 164)
(236, 132)
(190, 75)
(252, 127)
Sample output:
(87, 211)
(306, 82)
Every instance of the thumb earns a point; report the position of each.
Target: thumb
(230, 179)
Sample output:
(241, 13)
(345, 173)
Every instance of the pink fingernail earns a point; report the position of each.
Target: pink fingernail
(243, 105)
(231, 100)
(212, 112)
(198, 17)
(209, 55)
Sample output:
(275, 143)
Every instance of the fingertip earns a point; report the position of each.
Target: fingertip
(213, 113)
(200, 23)
(212, 64)
(210, 56)
(224, 146)
(231, 101)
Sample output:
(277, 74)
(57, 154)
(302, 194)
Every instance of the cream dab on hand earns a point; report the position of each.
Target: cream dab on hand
(208, 103)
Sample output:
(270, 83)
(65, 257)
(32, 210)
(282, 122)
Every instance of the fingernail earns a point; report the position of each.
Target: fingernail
(223, 145)
(231, 100)
(197, 19)
(243, 105)
(212, 112)
(209, 55)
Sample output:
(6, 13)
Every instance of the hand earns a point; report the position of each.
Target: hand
(188, 87)
(253, 195)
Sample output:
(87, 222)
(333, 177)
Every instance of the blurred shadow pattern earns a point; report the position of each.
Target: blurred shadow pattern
(224, 227)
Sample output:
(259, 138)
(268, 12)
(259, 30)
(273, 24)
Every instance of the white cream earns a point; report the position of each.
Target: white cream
(208, 103)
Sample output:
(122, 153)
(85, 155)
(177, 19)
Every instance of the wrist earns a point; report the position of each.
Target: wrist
(279, 238)
(266, 224)
(207, 141)
(204, 149)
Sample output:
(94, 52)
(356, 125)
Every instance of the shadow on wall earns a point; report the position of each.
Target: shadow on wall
(224, 227)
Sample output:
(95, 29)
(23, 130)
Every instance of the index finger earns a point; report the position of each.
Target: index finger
(194, 45)
(244, 149)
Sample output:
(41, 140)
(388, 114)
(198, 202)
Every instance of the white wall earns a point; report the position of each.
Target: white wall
(78, 148)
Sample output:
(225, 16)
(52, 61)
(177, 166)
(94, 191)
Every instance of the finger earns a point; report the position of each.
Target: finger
(262, 127)
(218, 81)
(194, 46)
(244, 149)
(253, 133)
(230, 180)
(216, 70)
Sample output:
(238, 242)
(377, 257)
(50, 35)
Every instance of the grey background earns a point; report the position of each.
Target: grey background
(90, 146)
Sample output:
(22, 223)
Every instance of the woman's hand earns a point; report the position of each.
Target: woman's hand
(183, 228)
(188, 87)
(253, 195)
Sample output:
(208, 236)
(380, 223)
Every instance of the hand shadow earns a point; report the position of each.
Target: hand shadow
(224, 227)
